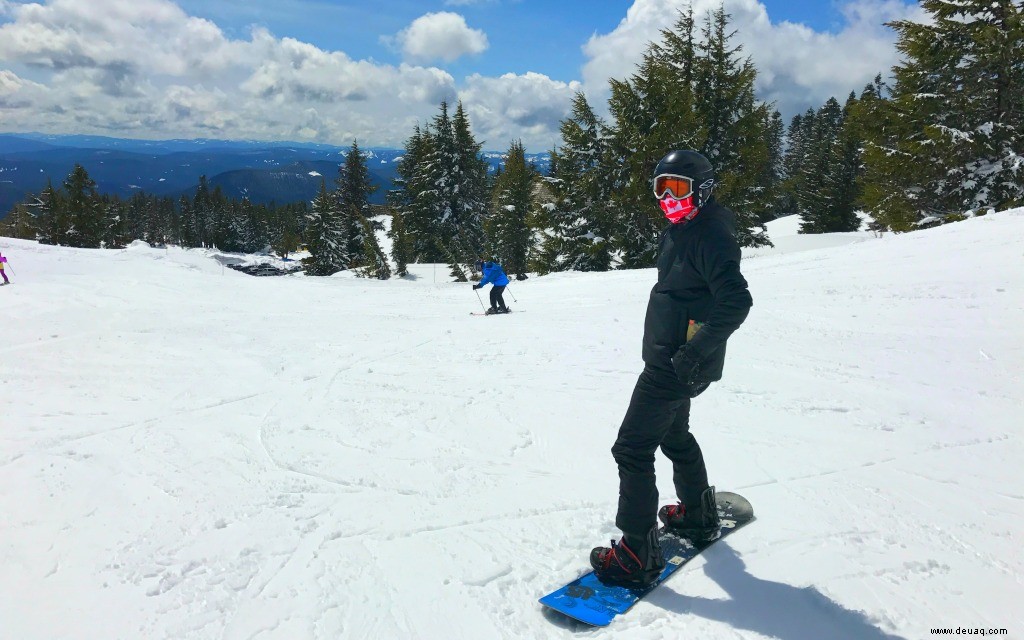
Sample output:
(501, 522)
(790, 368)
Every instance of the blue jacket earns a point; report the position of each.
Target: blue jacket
(494, 275)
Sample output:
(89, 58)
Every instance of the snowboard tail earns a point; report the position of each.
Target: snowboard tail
(589, 600)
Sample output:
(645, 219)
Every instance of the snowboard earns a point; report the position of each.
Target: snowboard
(589, 600)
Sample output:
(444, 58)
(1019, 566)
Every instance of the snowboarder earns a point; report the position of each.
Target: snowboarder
(493, 273)
(699, 300)
(3, 262)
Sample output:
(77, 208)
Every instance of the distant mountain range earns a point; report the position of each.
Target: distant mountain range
(265, 172)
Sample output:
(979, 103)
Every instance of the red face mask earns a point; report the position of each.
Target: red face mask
(678, 210)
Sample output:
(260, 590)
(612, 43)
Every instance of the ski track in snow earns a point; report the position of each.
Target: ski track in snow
(190, 452)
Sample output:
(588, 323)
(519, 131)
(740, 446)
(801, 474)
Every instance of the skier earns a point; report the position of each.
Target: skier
(493, 273)
(699, 300)
(3, 261)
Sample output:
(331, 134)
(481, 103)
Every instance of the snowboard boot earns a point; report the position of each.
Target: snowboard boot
(633, 561)
(699, 522)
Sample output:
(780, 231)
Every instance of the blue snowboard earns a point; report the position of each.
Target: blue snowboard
(589, 600)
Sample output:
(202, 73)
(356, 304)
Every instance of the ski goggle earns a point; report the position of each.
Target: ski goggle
(679, 187)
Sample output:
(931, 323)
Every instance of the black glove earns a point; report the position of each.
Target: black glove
(687, 366)
(477, 286)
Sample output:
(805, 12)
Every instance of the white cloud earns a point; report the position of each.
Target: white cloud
(797, 66)
(527, 107)
(144, 68)
(440, 36)
(147, 69)
(18, 93)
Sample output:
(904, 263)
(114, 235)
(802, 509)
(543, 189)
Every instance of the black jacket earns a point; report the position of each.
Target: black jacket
(698, 279)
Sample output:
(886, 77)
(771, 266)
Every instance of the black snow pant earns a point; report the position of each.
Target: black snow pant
(658, 415)
(497, 302)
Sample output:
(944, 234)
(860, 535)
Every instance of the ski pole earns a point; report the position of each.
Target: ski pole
(480, 299)
(512, 294)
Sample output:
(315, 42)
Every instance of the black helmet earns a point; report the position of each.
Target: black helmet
(690, 164)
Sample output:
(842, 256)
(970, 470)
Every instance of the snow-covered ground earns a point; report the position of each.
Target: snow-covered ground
(190, 452)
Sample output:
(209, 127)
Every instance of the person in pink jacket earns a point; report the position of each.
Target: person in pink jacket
(3, 262)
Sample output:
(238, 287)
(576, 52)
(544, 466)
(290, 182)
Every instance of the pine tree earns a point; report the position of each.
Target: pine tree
(510, 237)
(284, 231)
(219, 221)
(353, 192)
(325, 236)
(114, 223)
(202, 214)
(474, 196)
(444, 183)
(187, 236)
(654, 112)
(580, 233)
(414, 199)
(948, 139)
(773, 172)
(375, 263)
(84, 209)
(401, 251)
(19, 223)
(814, 200)
(843, 182)
(797, 158)
(737, 128)
(50, 218)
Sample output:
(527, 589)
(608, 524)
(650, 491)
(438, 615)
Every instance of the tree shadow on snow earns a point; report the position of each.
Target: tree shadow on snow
(772, 609)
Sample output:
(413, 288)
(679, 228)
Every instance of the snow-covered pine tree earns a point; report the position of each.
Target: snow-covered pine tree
(638, 106)
(218, 220)
(508, 228)
(325, 236)
(799, 138)
(772, 173)
(84, 209)
(353, 192)
(47, 208)
(414, 197)
(949, 138)
(401, 251)
(445, 181)
(579, 236)
(738, 127)
(202, 214)
(654, 111)
(114, 221)
(375, 263)
(472, 186)
(842, 183)
(284, 230)
(186, 236)
(162, 222)
(19, 223)
(814, 201)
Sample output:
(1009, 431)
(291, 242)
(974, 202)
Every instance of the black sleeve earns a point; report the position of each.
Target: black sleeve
(719, 262)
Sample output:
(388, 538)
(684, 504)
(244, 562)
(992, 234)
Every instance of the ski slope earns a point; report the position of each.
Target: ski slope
(190, 452)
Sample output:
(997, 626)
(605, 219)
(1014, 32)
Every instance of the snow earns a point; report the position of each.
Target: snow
(190, 452)
(315, 174)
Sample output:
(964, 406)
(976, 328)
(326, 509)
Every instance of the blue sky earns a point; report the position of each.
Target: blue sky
(543, 36)
(332, 71)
